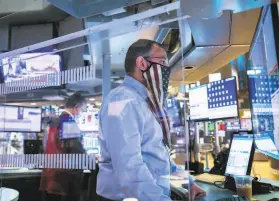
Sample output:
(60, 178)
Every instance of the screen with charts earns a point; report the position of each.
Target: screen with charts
(265, 144)
(240, 154)
(20, 119)
(20, 67)
(208, 102)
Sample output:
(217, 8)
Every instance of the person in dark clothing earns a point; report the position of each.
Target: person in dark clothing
(64, 184)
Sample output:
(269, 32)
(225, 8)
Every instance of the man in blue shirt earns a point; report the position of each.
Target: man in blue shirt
(134, 131)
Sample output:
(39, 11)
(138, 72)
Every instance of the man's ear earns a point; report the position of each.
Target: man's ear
(141, 63)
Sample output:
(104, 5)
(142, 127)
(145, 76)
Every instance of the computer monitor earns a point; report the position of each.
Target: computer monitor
(20, 119)
(33, 146)
(209, 101)
(29, 65)
(265, 144)
(175, 112)
(241, 155)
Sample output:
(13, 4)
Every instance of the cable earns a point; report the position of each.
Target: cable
(220, 184)
(257, 177)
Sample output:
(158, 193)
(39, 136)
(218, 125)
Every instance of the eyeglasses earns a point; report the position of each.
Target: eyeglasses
(160, 60)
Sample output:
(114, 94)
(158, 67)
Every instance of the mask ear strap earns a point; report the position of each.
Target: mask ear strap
(148, 68)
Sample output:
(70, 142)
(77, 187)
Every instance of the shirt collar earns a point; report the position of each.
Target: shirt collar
(69, 113)
(136, 85)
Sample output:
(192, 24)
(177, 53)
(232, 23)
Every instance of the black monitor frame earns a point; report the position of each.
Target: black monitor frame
(250, 163)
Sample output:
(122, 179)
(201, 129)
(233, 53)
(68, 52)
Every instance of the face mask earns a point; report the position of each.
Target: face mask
(157, 81)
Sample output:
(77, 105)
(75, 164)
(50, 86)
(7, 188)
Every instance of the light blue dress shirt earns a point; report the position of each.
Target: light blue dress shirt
(134, 161)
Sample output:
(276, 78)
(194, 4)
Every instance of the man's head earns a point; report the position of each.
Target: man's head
(75, 104)
(141, 55)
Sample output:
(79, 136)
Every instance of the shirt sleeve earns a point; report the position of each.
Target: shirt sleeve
(121, 127)
(180, 172)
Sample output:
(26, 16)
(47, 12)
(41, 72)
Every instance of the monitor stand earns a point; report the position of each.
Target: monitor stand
(217, 147)
(197, 154)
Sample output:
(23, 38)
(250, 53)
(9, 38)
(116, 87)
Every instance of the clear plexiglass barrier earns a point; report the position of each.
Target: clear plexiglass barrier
(138, 103)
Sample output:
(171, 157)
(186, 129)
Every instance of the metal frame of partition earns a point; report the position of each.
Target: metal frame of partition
(113, 24)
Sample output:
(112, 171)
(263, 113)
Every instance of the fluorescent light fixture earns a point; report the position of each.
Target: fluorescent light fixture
(253, 72)
(187, 88)
(214, 77)
(98, 103)
(92, 99)
(33, 104)
(53, 98)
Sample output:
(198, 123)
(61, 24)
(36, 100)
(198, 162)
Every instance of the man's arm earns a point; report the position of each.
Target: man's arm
(180, 172)
(196, 192)
(122, 132)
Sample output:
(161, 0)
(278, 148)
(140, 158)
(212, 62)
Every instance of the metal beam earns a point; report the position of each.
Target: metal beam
(155, 2)
(208, 9)
(98, 28)
(161, 35)
(85, 8)
(106, 72)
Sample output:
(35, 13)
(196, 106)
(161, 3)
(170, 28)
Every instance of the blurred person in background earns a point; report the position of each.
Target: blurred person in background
(64, 184)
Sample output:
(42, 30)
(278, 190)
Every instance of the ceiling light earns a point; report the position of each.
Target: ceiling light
(98, 103)
(53, 98)
(92, 99)
(33, 104)
(253, 72)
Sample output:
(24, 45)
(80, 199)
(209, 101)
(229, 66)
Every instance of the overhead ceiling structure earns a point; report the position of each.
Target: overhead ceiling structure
(221, 31)
(14, 12)
(217, 42)
(86, 8)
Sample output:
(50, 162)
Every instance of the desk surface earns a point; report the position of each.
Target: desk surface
(214, 193)
(23, 173)
(7, 194)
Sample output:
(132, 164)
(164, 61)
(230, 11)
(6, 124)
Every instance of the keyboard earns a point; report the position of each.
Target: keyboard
(234, 199)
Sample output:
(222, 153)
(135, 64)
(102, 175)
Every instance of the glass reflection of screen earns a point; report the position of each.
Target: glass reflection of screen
(265, 144)
(275, 112)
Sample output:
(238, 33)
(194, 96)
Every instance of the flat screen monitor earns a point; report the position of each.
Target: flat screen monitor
(246, 124)
(241, 155)
(33, 146)
(13, 142)
(20, 67)
(68, 127)
(88, 120)
(265, 144)
(232, 125)
(209, 101)
(211, 126)
(91, 145)
(20, 119)
(174, 112)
